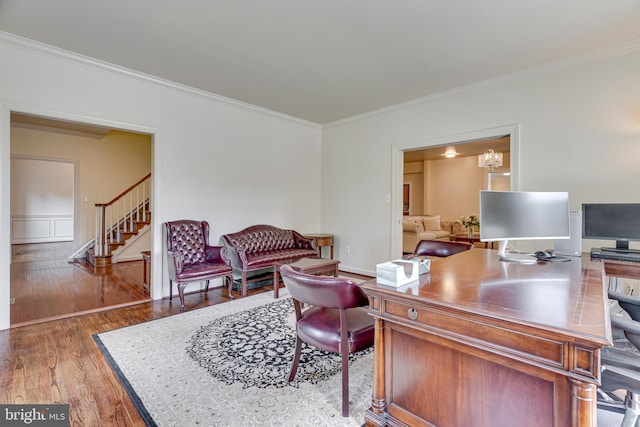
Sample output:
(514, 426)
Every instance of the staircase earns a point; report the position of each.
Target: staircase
(119, 220)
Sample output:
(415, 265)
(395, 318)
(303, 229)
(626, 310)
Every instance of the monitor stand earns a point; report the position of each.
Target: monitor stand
(516, 258)
(622, 247)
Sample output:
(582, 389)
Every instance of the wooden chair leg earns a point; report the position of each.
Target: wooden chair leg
(296, 359)
(181, 295)
(230, 280)
(345, 383)
(344, 352)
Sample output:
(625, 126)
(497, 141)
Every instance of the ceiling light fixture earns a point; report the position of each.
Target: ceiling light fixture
(450, 152)
(490, 160)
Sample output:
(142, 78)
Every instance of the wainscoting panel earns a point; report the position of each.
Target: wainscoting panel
(41, 228)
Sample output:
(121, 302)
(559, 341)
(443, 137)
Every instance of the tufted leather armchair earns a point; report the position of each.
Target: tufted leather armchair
(190, 258)
(338, 320)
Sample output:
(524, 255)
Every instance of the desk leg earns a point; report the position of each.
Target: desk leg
(584, 404)
(375, 416)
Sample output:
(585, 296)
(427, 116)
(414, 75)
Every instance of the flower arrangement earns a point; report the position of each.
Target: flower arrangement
(470, 220)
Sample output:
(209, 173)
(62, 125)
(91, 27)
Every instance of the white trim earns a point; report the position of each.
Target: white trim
(66, 55)
(5, 193)
(5, 212)
(41, 228)
(76, 196)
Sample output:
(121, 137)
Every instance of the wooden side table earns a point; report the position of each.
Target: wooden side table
(322, 240)
(146, 269)
(304, 265)
(475, 239)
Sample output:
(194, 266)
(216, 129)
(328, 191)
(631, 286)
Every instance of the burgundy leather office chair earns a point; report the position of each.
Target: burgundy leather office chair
(191, 259)
(440, 248)
(337, 322)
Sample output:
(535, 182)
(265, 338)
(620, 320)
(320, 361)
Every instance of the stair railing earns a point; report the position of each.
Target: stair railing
(121, 214)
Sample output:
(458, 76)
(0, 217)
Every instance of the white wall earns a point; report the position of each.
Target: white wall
(214, 159)
(576, 125)
(41, 200)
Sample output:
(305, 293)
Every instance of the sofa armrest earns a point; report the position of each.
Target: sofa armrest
(457, 227)
(235, 253)
(447, 225)
(302, 242)
(410, 227)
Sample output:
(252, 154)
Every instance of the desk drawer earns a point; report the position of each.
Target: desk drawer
(477, 331)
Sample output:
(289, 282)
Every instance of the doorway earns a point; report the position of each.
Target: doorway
(105, 160)
(432, 154)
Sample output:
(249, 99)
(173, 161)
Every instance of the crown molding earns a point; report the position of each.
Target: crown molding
(73, 57)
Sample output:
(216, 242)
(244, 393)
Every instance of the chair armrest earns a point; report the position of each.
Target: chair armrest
(216, 255)
(175, 264)
(627, 325)
(629, 303)
(624, 298)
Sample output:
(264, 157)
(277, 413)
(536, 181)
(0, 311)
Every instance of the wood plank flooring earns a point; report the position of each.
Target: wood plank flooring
(58, 361)
(45, 285)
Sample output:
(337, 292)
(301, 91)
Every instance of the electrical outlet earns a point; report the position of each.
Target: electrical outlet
(347, 249)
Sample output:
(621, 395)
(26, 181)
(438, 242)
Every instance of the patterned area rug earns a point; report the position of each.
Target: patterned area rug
(227, 365)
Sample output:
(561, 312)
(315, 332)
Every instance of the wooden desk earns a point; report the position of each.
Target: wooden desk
(322, 240)
(616, 268)
(484, 343)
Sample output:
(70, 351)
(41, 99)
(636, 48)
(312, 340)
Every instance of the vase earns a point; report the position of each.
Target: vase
(470, 230)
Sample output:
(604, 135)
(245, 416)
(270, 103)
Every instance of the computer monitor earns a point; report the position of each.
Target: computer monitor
(519, 215)
(612, 221)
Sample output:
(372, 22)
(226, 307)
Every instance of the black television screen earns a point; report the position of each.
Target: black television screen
(611, 221)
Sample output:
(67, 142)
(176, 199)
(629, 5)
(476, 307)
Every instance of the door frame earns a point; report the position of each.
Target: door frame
(397, 169)
(5, 194)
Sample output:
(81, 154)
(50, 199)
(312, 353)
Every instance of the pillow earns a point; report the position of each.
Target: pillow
(432, 223)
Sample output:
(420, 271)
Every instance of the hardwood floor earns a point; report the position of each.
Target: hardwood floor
(58, 361)
(45, 285)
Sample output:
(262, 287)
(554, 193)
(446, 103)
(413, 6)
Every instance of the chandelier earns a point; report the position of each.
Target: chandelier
(490, 160)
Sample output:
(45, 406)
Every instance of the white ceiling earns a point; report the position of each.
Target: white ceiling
(325, 60)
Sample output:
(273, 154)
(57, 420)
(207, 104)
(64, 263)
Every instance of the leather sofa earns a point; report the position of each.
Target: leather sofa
(427, 227)
(261, 247)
